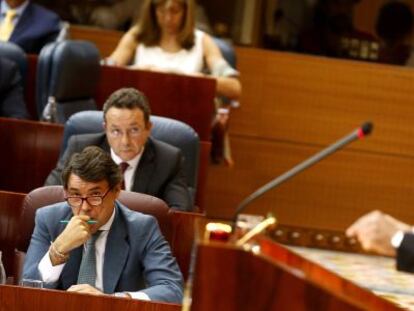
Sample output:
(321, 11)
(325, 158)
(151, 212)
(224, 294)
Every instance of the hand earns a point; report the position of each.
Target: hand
(76, 233)
(375, 230)
(85, 289)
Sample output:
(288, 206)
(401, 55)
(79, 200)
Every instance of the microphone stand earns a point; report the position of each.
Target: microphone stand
(364, 130)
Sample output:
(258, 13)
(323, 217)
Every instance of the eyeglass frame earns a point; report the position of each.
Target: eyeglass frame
(102, 197)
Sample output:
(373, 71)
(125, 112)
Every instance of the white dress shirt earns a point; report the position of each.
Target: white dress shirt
(129, 173)
(51, 274)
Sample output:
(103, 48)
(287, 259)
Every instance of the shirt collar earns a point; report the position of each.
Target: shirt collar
(4, 7)
(132, 163)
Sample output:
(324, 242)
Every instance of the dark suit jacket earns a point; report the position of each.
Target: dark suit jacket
(11, 91)
(405, 254)
(36, 27)
(159, 173)
(137, 257)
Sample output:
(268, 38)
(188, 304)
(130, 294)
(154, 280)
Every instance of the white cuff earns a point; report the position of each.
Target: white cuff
(49, 272)
(397, 239)
(139, 295)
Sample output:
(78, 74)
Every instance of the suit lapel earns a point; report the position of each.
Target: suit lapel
(24, 23)
(116, 253)
(145, 169)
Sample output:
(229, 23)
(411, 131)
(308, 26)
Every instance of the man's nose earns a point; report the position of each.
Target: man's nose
(125, 138)
(85, 207)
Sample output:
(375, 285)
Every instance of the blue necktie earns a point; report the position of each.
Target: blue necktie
(87, 270)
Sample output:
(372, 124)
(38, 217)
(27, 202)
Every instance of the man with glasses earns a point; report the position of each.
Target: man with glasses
(148, 165)
(93, 244)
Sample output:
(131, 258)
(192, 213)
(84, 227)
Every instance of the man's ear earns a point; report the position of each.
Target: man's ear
(149, 125)
(104, 125)
(117, 190)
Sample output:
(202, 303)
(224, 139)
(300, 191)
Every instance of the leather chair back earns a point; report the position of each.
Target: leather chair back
(16, 54)
(68, 73)
(168, 130)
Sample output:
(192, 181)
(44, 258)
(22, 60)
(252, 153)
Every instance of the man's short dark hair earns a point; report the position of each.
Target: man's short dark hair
(92, 165)
(128, 98)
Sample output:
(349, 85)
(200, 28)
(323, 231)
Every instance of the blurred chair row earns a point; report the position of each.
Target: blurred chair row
(67, 76)
(17, 215)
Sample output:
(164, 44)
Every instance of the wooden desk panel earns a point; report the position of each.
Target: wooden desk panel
(230, 278)
(293, 106)
(29, 152)
(330, 195)
(21, 299)
(11, 208)
(300, 98)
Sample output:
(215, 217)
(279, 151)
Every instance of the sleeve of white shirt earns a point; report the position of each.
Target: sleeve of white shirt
(49, 272)
(139, 295)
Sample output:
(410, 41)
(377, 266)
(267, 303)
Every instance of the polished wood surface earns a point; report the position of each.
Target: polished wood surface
(22, 299)
(295, 105)
(230, 278)
(10, 212)
(30, 151)
(107, 42)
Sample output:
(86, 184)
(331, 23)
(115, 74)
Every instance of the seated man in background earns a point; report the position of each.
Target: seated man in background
(381, 233)
(71, 239)
(150, 166)
(12, 104)
(27, 24)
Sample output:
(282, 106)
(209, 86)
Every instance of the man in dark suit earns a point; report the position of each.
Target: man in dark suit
(11, 91)
(150, 166)
(93, 244)
(33, 25)
(383, 234)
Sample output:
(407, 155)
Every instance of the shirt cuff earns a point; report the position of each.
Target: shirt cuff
(139, 295)
(397, 238)
(49, 272)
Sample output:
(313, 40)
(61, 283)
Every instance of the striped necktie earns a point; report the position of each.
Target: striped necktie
(123, 166)
(87, 270)
(7, 26)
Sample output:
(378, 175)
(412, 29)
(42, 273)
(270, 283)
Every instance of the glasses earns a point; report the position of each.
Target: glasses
(95, 200)
(132, 132)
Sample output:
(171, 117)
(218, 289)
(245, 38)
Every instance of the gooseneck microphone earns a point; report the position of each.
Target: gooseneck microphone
(360, 132)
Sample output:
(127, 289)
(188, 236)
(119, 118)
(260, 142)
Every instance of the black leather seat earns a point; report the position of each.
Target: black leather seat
(67, 74)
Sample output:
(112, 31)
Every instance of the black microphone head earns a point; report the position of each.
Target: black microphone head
(367, 128)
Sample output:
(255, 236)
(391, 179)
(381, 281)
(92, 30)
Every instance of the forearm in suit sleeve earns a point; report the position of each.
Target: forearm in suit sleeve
(176, 193)
(405, 253)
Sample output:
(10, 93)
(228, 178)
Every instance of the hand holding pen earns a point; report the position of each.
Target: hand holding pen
(76, 233)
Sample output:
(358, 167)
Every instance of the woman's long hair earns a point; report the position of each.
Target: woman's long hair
(148, 31)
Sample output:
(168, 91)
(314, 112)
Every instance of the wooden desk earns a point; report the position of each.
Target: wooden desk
(22, 299)
(231, 278)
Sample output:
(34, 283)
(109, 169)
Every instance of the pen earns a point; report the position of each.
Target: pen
(89, 222)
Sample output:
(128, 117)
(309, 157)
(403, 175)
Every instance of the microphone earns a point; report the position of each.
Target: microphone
(358, 133)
